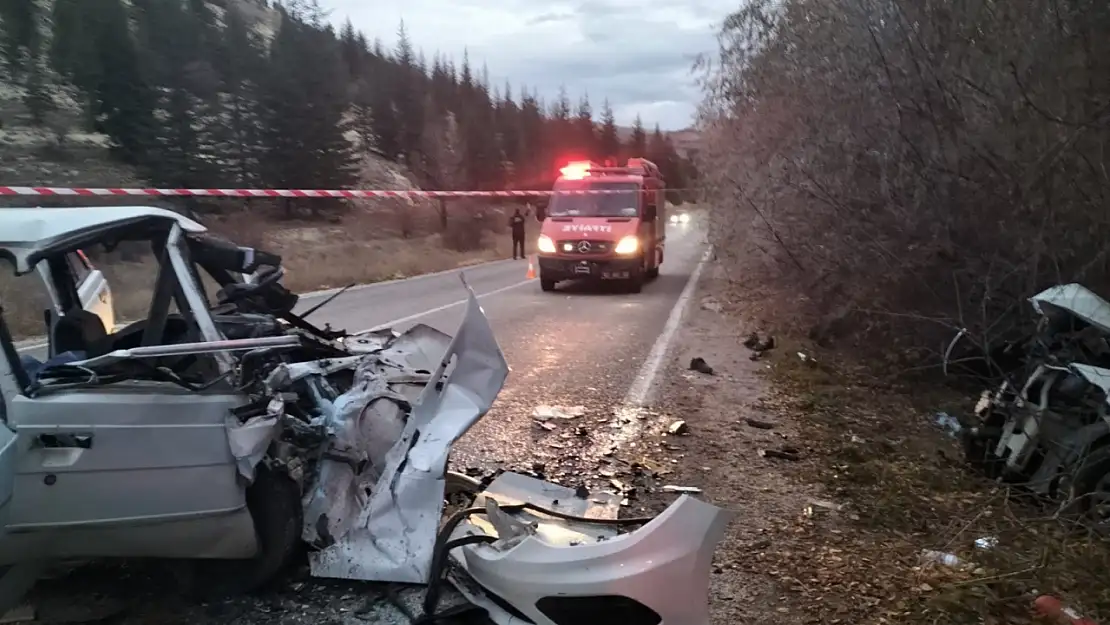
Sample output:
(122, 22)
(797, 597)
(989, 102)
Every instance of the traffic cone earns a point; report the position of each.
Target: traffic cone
(531, 270)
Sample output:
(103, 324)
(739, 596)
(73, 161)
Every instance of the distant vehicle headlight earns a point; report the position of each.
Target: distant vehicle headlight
(684, 218)
(674, 219)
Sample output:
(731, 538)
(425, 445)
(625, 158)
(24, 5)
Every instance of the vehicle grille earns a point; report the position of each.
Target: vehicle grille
(595, 247)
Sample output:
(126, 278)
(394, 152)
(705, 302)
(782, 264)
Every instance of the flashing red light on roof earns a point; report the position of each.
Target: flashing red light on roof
(576, 170)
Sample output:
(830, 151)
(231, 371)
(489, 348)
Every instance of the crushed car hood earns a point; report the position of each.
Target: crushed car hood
(374, 504)
(1078, 300)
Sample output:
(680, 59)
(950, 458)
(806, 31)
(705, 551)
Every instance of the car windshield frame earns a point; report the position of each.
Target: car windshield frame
(567, 201)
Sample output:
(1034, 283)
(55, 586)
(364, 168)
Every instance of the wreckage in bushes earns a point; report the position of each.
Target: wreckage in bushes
(1049, 427)
(227, 434)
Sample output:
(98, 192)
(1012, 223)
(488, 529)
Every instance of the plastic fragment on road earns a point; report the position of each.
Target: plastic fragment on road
(685, 490)
(664, 565)
(949, 424)
(547, 413)
(1059, 612)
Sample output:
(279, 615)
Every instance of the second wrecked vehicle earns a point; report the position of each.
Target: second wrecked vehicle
(1049, 427)
(226, 433)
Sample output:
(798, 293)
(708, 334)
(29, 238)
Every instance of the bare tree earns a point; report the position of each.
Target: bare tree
(912, 166)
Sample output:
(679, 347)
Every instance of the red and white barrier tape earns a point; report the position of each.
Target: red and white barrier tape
(275, 193)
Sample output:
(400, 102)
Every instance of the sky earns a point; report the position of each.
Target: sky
(636, 53)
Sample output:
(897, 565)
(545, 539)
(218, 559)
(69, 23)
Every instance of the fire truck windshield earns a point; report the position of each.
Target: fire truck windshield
(623, 204)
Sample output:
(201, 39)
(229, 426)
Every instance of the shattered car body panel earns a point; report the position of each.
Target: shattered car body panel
(575, 567)
(1077, 300)
(1050, 429)
(393, 537)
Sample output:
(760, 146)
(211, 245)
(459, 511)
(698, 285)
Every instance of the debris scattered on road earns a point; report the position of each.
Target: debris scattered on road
(816, 506)
(986, 542)
(550, 427)
(682, 490)
(1059, 612)
(678, 428)
(786, 453)
(939, 557)
(711, 305)
(948, 423)
(698, 364)
(547, 413)
(760, 425)
(807, 359)
(757, 344)
(582, 492)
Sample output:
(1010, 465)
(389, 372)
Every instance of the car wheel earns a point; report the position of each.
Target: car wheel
(547, 284)
(1089, 490)
(653, 273)
(636, 283)
(275, 506)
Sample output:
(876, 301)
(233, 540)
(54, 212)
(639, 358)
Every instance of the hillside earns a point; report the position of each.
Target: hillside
(250, 94)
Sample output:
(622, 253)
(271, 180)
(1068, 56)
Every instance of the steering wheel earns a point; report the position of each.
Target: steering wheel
(239, 291)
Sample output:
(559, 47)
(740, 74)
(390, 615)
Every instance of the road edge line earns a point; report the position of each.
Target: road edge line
(640, 390)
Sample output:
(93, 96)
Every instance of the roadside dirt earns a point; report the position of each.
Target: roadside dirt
(839, 480)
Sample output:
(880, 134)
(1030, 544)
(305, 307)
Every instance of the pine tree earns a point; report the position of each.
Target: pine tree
(23, 34)
(407, 99)
(609, 142)
(637, 142)
(239, 61)
(93, 48)
(585, 134)
(305, 103)
(177, 41)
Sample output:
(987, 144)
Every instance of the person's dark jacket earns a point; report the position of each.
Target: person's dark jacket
(516, 223)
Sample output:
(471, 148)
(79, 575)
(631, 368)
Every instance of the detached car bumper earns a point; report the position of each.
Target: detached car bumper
(553, 571)
(594, 268)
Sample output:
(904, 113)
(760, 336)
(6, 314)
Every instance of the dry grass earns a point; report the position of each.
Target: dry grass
(905, 489)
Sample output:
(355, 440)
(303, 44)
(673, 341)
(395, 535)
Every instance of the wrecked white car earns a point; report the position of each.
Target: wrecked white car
(1049, 428)
(227, 433)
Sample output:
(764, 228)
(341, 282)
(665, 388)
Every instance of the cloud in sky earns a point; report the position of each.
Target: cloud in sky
(636, 53)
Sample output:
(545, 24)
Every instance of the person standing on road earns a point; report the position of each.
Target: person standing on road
(516, 224)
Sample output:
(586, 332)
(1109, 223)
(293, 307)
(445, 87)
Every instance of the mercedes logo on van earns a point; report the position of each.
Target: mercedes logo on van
(583, 246)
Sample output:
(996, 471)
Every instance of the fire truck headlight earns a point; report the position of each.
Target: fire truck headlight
(545, 245)
(628, 245)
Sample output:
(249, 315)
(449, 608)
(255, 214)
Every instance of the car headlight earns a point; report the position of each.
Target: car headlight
(674, 219)
(684, 218)
(545, 245)
(628, 245)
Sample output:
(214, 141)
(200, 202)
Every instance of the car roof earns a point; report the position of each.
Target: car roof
(28, 234)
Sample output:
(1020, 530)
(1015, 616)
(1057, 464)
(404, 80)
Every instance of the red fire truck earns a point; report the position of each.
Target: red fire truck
(617, 234)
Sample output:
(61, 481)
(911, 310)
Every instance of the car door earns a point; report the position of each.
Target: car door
(134, 469)
(93, 290)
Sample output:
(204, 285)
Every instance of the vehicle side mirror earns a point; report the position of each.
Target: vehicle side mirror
(541, 212)
(650, 213)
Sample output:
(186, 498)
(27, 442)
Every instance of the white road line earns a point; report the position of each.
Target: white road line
(434, 274)
(432, 311)
(640, 391)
